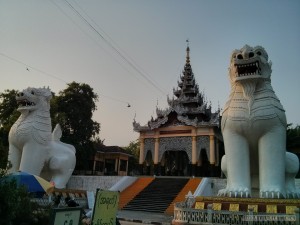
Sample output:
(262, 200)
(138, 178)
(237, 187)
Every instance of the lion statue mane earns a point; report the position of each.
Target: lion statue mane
(32, 146)
(254, 131)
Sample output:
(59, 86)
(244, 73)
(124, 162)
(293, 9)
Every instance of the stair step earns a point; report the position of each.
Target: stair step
(157, 195)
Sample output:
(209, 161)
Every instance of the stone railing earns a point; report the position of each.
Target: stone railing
(186, 215)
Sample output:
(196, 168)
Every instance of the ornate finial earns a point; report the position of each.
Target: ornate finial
(187, 52)
(134, 116)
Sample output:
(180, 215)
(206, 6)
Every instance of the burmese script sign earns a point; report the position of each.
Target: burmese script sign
(65, 216)
(105, 208)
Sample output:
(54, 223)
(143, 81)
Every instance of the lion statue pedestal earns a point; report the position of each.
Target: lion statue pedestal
(32, 146)
(254, 131)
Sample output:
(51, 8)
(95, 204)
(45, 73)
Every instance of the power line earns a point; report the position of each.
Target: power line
(112, 41)
(115, 49)
(33, 68)
(97, 42)
(29, 67)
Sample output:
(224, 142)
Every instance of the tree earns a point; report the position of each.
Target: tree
(134, 149)
(293, 140)
(8, 115)
(73, 109)
(292, 136)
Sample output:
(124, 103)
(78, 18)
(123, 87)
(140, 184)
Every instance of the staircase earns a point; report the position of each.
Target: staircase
(191, 185)
(130, 192)
(157, 196)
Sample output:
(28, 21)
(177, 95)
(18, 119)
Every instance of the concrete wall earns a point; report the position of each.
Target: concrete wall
(91, 183)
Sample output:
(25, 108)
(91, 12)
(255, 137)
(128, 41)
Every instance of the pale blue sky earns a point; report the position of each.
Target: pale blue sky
(51, 39)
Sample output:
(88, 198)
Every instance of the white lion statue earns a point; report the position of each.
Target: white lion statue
(32, 146)
(254, 131)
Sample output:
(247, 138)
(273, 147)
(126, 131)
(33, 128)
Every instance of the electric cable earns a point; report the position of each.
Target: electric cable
(114, 48)
(96, 42)
(54, 76)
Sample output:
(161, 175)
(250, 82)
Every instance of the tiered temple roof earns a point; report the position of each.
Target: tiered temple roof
(187, 107)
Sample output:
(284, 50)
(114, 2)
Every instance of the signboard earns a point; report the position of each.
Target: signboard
(105, 207)
(65, 216)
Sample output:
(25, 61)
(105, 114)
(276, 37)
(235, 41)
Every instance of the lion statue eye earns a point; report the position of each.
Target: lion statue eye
(32, 92)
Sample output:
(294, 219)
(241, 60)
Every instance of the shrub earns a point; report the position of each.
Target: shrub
(16, 207)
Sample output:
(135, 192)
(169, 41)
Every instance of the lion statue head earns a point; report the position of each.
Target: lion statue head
(248, 67)
(31, 99)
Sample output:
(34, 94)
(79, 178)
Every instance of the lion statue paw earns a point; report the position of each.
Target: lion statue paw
(240, 192)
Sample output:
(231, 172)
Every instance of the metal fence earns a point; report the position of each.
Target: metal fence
(48, 201)
(184, 214)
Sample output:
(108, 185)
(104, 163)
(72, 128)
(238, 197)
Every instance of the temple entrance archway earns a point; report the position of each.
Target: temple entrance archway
(203, 168)
(148, 164)
(175, 163)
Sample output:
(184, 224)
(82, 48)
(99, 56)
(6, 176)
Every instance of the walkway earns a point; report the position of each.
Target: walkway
(127, 217)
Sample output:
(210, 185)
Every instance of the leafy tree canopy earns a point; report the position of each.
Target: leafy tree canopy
(293, 136)
(73, 109)
(8, 116)
(8, 109)
(134, 149)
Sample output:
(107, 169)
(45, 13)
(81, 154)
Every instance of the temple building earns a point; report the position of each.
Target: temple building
(185, 138)
(107, 160)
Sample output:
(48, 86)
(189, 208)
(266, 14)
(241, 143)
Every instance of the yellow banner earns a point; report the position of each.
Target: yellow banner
(217, 206)
(271, 209)
(199, 205)
(105, 208)
(253, 207)
(234, 207)
(290, 209)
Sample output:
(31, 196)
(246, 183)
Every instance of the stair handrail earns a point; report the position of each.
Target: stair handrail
(123, 183)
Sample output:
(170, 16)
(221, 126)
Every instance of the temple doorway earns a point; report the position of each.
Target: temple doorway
(203, 168)
(148, 164)
(175, 163)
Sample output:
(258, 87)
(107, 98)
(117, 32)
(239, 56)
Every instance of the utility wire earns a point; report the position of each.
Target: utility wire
(114, 48)
(33, 68)
(53, 76)
(113, 42)
(97, 42)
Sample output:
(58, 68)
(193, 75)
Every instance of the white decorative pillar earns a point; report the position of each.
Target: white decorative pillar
(212, 159)
(142, 150)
